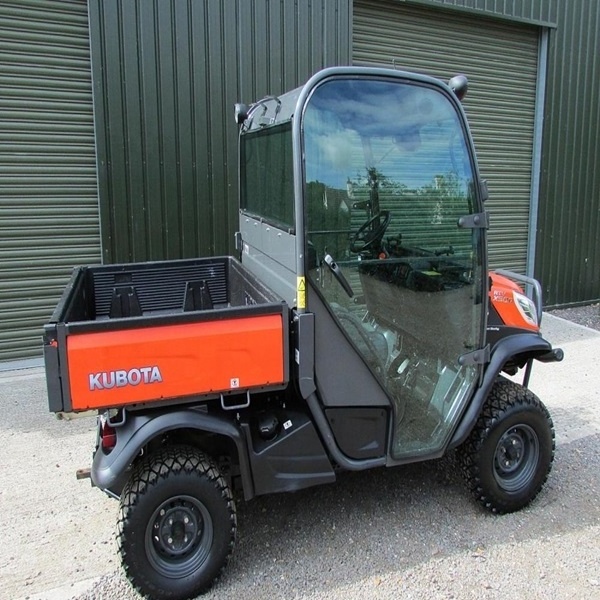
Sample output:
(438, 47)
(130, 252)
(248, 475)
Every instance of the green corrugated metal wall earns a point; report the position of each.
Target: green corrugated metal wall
(48, 191)
(500, 59)
(535, 12)
(568, 248)
(166, 76)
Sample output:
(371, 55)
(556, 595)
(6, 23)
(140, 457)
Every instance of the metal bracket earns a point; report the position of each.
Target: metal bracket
(483, 187)
(238, 241)
(477, 357)
(475, 221)
(235, 406)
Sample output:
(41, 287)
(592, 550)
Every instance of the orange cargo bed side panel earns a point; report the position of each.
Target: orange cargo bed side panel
(115, 368)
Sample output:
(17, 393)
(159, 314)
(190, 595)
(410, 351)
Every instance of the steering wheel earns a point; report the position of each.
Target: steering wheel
(366, 238)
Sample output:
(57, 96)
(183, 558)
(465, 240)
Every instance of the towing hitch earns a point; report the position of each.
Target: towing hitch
(83, 473)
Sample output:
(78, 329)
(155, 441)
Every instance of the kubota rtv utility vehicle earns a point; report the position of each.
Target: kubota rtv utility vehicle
(358, 328)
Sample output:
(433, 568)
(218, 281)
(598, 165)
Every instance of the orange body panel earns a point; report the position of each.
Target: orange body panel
(501, 296)
(114, 368)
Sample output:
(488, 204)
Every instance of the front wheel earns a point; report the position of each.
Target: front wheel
(177, 524)
(509, 453)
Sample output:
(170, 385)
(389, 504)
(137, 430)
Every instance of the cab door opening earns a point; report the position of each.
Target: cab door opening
(389, 173)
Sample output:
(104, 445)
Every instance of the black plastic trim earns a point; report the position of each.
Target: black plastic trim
(53, 380)
(139, 429)
(505, 349)
(294, 459)
(328, 438)
(360, 433)
(304, 352)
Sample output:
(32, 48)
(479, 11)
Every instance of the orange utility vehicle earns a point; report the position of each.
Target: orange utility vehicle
(357, 328)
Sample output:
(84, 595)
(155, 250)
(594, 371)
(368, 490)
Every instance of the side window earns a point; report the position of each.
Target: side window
(267, 175)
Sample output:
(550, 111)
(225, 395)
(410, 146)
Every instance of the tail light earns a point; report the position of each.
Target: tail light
(108, 435)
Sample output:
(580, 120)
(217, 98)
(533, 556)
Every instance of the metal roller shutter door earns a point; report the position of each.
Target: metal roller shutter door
(500, 60)
(49, 218)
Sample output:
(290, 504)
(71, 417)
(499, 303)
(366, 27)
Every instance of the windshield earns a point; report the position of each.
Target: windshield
(374, 145)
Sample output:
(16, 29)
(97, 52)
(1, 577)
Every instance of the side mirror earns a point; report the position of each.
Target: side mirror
(241, 113)
(459, 85)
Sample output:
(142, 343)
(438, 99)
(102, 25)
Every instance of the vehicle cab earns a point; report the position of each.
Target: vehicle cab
(361, 204)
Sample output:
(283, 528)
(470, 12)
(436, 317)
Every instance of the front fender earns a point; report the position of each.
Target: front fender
(108, 469)
(531, 345)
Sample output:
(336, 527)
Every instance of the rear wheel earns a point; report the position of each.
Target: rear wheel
(177, 524)
(509, 453)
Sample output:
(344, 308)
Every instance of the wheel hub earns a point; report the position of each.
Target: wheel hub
(510, 452)
(177, 528)
(179, 536)
(516, 458)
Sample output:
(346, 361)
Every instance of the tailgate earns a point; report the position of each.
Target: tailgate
(173, 361)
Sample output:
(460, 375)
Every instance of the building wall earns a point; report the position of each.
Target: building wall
(568, 234)
(535, 12)
(166, 76)
(48, 191)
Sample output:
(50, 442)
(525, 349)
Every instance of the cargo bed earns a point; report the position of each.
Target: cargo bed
(173, 331)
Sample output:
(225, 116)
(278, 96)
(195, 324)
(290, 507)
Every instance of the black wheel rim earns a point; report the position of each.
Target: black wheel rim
(516, 458)
(179, 536)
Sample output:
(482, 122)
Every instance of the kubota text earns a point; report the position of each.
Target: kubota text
(107, 380)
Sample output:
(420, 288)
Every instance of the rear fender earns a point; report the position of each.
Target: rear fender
(521, 348)
(109, 469)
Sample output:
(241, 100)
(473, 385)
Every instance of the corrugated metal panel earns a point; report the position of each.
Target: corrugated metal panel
(535, 12)
(568, 248)
(500, 60)
(166, 76)
(48, 192)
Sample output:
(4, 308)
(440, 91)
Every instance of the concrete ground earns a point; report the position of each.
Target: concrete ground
(424, 537)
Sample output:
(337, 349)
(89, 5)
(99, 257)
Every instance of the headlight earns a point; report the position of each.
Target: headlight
(526, 308)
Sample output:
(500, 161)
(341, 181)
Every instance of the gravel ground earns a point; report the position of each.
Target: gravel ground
(588, 316)
(411, 532)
